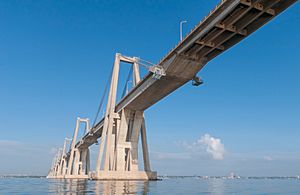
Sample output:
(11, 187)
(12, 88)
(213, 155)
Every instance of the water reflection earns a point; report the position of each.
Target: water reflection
(216, 186)
(121, 187)
(77, 186)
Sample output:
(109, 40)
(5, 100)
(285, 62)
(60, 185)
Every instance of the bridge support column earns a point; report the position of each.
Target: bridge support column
(71, 162)
(145, 147)
(120, 136)
(64, 167)
(125, 161)
(75, 164)
(85, 162)
(60, 167)
(56, 165)
(79, 160)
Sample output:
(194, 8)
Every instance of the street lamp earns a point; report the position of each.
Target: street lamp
(181, 23)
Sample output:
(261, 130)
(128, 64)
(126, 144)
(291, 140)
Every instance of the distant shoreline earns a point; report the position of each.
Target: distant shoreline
(231, 177)
(177, 177)
(21, 176)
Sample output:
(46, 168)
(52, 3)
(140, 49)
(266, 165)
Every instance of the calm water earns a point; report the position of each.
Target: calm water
(188, 186)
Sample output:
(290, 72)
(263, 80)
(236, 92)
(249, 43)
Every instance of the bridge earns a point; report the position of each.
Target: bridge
(123, 124)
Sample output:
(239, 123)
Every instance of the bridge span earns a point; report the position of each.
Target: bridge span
(119, 130)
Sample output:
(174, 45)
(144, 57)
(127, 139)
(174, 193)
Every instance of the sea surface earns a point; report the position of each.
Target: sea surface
(174, 185)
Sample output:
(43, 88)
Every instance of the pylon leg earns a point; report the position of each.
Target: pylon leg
(145, 147)
(118, 152)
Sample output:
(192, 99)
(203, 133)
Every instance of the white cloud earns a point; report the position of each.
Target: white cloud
(213, 146)
(206, 143)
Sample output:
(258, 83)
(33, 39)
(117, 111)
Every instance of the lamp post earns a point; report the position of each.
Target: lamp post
(181, 23)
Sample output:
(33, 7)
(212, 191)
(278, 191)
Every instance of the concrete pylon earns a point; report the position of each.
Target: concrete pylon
(76, 164)
(62, 162)
(54, 171)
(119, 138)
(118, 151)
(78, 155)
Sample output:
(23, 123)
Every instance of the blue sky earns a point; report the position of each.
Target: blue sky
(55, 57)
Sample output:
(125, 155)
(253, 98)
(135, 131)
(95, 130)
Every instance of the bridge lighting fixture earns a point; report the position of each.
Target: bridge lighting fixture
(196, 81)
(158, 71)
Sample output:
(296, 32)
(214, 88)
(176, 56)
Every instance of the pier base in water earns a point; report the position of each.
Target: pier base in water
(124, 175)
(111, 175)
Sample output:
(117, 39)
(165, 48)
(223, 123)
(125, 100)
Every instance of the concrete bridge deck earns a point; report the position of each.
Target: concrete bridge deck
(228, 24)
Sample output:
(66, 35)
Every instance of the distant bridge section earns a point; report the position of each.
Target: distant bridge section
(229, 23)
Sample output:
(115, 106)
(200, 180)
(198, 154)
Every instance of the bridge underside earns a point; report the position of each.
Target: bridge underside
(228, 24)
